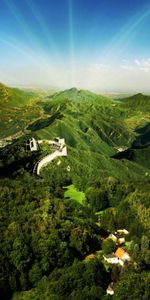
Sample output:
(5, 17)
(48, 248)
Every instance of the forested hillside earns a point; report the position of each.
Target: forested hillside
(51, 224)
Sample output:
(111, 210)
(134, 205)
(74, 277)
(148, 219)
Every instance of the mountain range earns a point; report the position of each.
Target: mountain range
(106, 174)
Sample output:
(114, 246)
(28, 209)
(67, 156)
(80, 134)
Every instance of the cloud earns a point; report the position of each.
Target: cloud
(143, 63)
(128, 76)
(137, 62)
(137, 65)
(127, 67)
(99, 67)
(146, 63)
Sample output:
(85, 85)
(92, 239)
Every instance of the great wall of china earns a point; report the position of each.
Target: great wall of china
(58, 147)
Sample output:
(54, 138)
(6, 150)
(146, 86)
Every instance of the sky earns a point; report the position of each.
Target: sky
(101, 45)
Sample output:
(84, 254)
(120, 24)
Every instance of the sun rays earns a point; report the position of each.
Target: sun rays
(53, 50)
(71, 42)
(62, 61)
(119, 43)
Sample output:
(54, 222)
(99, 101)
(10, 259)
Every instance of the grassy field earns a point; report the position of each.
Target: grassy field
(74, 194)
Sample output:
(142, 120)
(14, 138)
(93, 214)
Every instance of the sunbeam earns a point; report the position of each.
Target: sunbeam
(120, 42)
(22, 23)
(46, 31)
(71, 41)
(46, 59)
(122, 38)
(35, 59)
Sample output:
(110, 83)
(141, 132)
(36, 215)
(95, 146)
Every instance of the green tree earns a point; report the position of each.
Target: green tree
(108, 246)
(133, 286)
(35, 274)
(144, 243)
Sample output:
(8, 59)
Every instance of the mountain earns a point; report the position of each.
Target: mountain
(17, 109)
(15, 97)
(52, 224)
(137, 110)
(137, 102)
(143, 136)
(92, 125)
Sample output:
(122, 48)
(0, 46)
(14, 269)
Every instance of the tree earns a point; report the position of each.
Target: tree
(35, 274)
(133, 286)
(108, 246)
(97, 198)
(144, 243)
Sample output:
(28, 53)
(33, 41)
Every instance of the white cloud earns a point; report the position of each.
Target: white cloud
(127, 67)
(137, 62)
(99, 67)
(128, 76)
(142, 63)
(146, 63)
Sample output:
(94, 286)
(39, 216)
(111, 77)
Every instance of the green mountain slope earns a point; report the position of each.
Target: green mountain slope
(137, 110)
(89, 114)
(17, 110)
(143, 136)
(137, 102)
(94, 128)
(139, 155)
(14, 96)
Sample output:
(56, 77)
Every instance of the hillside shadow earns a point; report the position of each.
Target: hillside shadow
(42, 123)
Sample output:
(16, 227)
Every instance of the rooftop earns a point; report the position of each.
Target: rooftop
(109, 255)
(120, 253)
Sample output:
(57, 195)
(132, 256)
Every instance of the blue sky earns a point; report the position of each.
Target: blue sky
(95, 44)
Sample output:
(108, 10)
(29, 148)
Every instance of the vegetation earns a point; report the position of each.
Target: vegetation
(49, 225)
(73, 194)
(17, 110)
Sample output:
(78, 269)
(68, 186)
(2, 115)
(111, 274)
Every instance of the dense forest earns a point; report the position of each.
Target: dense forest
(55, 228)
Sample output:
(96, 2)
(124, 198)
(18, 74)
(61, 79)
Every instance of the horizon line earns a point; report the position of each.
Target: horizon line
(47, 87)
